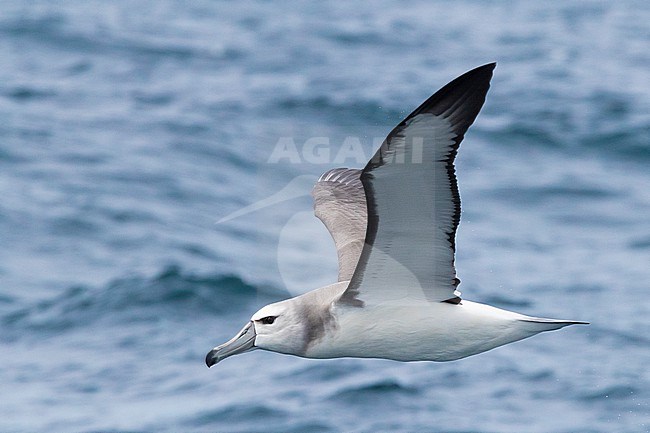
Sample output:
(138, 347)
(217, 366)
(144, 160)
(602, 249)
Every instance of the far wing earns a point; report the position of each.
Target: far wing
(413, 201)
(340, 203)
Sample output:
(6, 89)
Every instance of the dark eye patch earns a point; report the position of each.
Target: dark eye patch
(268, 320)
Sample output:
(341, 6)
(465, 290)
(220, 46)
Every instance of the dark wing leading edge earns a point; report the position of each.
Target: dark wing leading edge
(413, 202)
(340, 203)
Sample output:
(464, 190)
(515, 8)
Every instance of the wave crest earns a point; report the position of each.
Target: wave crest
(173, 293)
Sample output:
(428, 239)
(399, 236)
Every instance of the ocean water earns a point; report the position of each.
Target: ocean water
(129, 129)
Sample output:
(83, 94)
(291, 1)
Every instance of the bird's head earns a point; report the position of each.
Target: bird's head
(275, 327)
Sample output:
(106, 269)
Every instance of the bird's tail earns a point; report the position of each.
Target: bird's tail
(539, 324)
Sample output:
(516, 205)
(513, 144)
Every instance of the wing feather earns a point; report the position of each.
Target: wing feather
(340, 203)
(413, 204)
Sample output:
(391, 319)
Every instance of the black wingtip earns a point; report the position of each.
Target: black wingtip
(488, 67)
(460, 100)
(474, 74)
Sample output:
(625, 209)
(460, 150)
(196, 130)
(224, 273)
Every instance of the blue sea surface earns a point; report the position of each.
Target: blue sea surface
(128, 130)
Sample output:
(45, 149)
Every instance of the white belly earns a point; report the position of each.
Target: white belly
(433, 332)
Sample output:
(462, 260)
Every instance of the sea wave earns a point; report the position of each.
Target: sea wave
(57, 30)
(179, 294)
(380, 388)
(247, 418)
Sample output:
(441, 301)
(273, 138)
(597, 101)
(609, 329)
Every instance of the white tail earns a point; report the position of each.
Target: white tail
(539, 324)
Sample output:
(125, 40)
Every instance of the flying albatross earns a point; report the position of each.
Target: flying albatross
(394, 225)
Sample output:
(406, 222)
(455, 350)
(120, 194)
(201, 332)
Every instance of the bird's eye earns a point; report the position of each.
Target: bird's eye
(268, 320)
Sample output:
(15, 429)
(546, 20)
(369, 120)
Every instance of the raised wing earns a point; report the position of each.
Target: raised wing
(413, 201)
(340, 203)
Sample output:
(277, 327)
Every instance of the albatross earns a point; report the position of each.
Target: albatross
(394, 226)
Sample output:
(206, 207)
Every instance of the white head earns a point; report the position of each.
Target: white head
(292, 326)
(278, 327)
